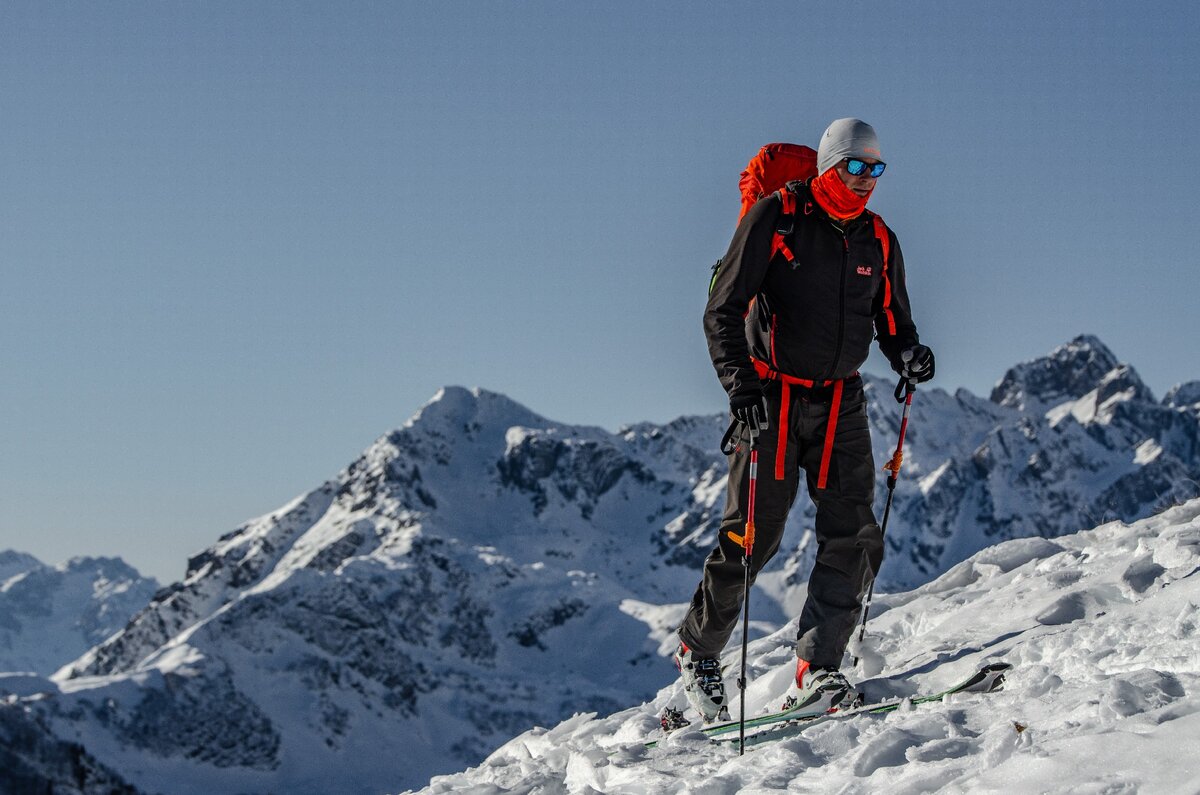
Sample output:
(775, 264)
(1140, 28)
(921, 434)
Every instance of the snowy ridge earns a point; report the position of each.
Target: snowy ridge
(1105, 695)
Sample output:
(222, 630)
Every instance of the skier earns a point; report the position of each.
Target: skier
(808, 280)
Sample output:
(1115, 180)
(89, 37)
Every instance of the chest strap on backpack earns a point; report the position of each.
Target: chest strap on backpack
(766, 373)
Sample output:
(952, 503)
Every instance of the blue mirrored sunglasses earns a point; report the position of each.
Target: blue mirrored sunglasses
(857, 167)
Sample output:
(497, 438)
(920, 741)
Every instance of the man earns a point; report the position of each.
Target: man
(807, 282)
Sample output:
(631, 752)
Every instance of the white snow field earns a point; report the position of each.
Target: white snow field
(1101, 627)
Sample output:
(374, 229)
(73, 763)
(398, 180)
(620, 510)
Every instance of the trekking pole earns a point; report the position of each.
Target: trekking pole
(747, 542)
(904, 394)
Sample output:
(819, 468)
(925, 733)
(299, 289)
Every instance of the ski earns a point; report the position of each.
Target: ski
(671, 721)
(985, 680)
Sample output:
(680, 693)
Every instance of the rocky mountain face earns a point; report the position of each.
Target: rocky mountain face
(49, 615)
(1083, 442)
(482, 569)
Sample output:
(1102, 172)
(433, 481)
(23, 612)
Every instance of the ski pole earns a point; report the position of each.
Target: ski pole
(904, 394)
(747, 542)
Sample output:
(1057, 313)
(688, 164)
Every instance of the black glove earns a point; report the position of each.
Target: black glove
(917, 363)
(751, 411)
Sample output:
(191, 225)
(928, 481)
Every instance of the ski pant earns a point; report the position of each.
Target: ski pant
(849, 541)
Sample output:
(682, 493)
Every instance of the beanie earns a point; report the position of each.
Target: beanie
(847, 138)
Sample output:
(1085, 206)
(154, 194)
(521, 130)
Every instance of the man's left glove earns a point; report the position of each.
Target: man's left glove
(751, 411)
(748, 411)
(917, 363)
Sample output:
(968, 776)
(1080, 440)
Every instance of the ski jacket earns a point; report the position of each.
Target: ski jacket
(813, 318)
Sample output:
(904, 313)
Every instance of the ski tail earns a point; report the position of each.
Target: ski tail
(987, 679)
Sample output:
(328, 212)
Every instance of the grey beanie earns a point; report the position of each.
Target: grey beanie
(847, 138)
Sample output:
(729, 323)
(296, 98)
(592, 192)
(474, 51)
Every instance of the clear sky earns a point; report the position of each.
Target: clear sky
(242, 240)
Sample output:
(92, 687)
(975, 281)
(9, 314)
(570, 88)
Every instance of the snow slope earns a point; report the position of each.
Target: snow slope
(1104, 697)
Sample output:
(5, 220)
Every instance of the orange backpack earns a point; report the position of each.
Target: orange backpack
(774, 166)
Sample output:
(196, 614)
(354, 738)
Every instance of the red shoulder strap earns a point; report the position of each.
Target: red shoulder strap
(783, 227)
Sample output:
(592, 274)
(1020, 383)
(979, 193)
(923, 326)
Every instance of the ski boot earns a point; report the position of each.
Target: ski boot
(819, 690)
(702, 684)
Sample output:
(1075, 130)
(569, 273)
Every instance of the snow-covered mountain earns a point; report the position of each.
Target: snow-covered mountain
(49, 615)
(482, 569)
(476, 572)
(1066, 442)
(1104, 696)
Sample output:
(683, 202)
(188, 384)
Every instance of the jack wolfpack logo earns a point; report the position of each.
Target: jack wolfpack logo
(864, 270)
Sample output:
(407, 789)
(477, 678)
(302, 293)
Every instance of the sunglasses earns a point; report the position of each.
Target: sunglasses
(858, 168)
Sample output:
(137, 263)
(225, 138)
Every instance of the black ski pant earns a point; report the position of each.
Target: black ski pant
(849, 541)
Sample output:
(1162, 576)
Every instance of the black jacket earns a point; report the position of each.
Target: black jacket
(814, 320)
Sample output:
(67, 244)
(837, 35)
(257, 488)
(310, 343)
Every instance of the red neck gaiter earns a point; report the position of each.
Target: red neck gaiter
(835, 198)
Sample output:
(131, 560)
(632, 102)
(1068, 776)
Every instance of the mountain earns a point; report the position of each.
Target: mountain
(1069, 441)
(482, 569)
(1104, 695)
(475, 572)
(49, 615)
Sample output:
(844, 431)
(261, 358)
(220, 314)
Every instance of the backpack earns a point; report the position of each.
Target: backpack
(772, 169)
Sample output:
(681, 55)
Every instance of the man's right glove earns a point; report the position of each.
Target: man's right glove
(751, 411)
(918, 363)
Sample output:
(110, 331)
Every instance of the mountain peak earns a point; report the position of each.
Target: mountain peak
(13, 563)
(1068, 372)
(1183, 395)
(456, 406)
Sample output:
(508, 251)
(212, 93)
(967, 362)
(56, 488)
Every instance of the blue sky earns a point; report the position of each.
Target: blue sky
(242, 240)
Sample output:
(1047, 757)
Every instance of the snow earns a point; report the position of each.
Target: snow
(1147, 451)
(1101, 627)
(929, 481)
(1083, 410)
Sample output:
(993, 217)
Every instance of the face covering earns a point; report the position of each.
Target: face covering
(835, 198)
